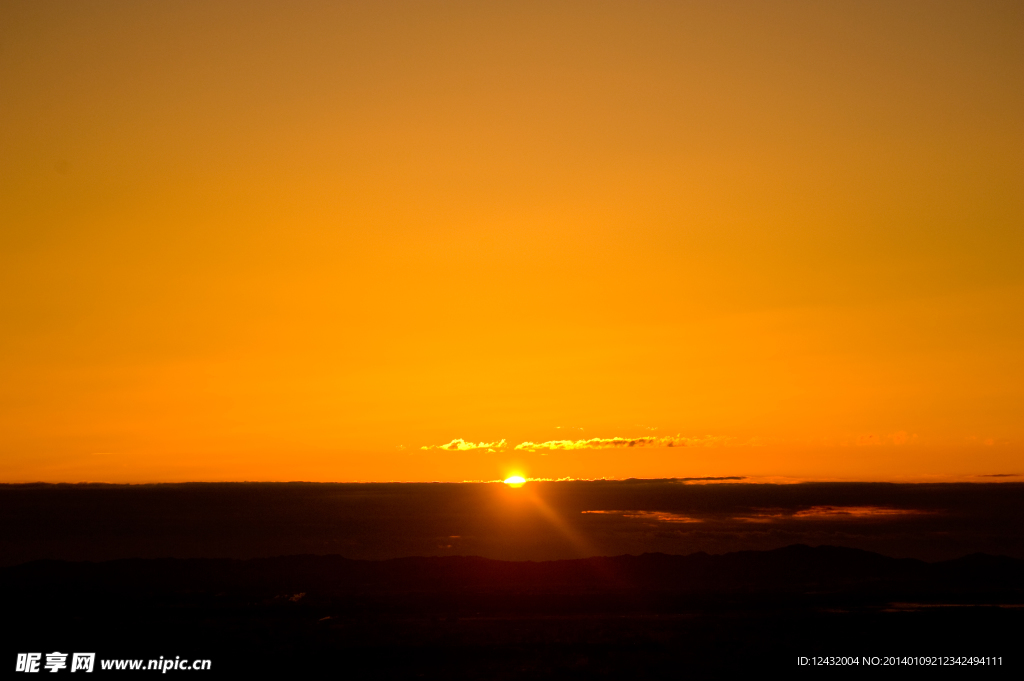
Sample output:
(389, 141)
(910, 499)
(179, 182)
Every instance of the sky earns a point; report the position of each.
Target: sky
(400, 241)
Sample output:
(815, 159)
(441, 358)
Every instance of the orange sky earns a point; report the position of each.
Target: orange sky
(320, 240)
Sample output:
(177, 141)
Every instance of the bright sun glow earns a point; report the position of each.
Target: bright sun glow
(515, 481)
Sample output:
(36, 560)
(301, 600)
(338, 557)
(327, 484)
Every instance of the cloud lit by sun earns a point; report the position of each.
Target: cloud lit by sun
(624, 442)
(460, 445)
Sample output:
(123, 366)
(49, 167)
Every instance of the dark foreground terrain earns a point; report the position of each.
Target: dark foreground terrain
(648, 616)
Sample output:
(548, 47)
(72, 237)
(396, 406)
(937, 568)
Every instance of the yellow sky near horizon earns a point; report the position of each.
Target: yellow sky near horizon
(308, 240)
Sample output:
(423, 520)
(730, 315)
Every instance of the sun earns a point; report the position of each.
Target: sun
(515, 481)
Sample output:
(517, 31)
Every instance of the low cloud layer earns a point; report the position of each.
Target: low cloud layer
(657, 516)
(622, 442)
(460, 445)
(828, 513)
(391, 520)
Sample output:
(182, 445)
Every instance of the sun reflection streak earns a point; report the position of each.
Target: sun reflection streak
(529, 493)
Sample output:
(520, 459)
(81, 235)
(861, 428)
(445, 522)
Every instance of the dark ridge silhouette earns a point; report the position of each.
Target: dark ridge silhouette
(648, 616)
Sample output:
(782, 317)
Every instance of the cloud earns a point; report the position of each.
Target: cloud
(657, 516)
(460, 445)
(852, 512)
(721, 478)
(827, 513)
(623, 442)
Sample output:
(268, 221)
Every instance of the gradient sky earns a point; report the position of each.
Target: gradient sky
(329, 240)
